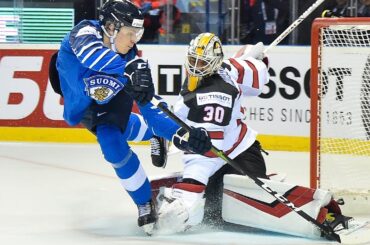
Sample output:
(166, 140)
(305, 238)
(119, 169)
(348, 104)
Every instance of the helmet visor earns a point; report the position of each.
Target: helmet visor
(133, 33)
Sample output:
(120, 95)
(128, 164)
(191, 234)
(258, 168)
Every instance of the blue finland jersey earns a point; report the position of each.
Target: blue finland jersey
(84, 64)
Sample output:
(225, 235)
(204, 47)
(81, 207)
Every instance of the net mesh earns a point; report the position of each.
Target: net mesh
(344, 110)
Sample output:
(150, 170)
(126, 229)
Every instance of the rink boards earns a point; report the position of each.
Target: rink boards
(31, 111)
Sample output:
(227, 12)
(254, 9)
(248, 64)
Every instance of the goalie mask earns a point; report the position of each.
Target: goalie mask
(121, 13)
(204, 58)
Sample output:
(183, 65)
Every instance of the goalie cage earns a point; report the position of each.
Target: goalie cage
(340, 110)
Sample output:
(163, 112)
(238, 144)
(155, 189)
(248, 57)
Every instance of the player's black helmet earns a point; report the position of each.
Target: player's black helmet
(121, 13)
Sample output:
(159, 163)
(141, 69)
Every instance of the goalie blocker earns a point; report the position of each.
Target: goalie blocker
(256, 208)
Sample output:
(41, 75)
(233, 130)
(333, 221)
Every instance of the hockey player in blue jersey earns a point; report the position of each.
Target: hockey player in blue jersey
(99, 75)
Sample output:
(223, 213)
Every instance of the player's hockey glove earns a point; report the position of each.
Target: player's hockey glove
(195, 141)
(140, 83)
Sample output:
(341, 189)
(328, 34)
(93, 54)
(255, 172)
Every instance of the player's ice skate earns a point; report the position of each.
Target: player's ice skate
(159, 148)
(147, 217)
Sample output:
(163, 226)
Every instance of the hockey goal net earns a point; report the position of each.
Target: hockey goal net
(340, 109)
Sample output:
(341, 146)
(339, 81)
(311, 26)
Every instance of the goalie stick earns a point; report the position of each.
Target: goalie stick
(290, 28)
(327, 231)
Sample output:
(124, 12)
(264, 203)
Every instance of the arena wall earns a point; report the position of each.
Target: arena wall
(31, 111)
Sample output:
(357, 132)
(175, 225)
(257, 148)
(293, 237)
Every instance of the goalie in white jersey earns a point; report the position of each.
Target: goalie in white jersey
(209, 190)
(211, 98)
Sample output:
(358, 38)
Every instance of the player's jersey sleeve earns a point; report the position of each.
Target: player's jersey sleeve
(249, 74)
(87, 44)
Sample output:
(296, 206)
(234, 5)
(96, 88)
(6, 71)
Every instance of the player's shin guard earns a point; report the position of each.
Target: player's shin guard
(134, 180)
(130, 172)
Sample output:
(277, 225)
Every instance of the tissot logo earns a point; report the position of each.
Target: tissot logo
(214, 98)
(169, 79)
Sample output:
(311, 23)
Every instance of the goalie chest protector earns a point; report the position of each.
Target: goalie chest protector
(212, 102)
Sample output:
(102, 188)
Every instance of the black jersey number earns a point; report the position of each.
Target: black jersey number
(216, 114)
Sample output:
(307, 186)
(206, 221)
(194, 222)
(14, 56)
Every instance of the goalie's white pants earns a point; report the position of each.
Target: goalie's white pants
(246, 203)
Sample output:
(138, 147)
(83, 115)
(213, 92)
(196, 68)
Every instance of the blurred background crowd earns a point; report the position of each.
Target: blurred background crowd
(176, 21)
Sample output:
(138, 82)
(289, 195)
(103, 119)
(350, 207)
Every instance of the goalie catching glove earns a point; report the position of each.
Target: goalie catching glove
(195, 141)
(140, 83)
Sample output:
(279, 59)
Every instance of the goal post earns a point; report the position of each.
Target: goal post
(340, 109)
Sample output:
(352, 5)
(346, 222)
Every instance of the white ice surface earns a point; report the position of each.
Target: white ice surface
(67, 194)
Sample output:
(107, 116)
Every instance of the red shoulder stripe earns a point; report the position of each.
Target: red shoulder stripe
(240, 69)
(255, 83)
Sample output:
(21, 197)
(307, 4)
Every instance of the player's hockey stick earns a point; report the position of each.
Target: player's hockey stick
(327, 231)
(290, 28)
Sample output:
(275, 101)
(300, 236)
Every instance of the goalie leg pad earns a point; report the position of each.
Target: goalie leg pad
(257, 208)
(159, 184)
(182, 207)
(172, 216)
